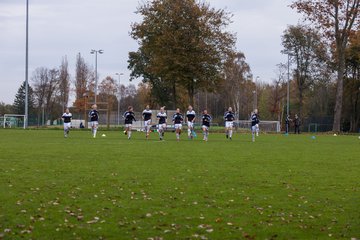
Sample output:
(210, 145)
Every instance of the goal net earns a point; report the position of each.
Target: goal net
(264, 126)
(13, 121)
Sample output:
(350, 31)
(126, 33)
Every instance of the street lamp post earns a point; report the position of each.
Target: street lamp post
(96, 77)
(118, 117)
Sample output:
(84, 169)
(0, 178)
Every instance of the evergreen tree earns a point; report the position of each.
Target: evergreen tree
(19, 102)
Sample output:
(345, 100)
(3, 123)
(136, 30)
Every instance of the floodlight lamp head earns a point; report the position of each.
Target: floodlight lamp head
(101, 51)
(92, 51)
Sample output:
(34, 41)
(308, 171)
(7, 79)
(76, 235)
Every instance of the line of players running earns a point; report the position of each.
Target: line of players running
(177, 119)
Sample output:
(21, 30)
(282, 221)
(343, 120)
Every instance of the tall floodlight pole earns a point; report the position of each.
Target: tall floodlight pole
(255, 92)
(27, 66)
(288, 87)
(118, 114)
(96, 76)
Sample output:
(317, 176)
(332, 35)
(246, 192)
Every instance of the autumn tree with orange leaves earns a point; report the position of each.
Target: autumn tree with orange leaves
(337, 19)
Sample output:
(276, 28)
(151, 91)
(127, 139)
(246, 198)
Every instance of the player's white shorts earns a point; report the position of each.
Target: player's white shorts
(147, 124)
(67, 125)
(190, 125)
(178, 126)
(162, 127)
(253, 128)
(229, 124)
(128, 125)
(94, 124)
(204, 127)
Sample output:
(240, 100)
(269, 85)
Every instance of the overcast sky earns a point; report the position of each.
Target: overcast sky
(67, 27)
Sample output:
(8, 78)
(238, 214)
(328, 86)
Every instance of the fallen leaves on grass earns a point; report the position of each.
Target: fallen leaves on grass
(206, 227)
(76, 213)
(94, 220)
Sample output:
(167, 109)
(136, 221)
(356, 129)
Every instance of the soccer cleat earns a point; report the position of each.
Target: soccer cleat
(227, 136)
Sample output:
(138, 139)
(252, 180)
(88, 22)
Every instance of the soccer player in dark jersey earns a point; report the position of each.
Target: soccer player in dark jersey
(190, 117)
(129, 118)
(229, 117)
(297, 124)
(177, 120)
(94, 120)
(161, 116)
(254, 124)
(67, 122)
(206, 120)
(147, 113)
(287, 124)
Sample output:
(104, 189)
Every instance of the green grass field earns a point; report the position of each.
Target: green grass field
(280, 187)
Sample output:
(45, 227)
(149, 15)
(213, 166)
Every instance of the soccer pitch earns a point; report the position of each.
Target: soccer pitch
(280, 187)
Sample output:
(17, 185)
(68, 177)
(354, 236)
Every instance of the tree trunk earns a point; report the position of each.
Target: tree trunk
(300, 102)
(339, 88)
(174, 94)
(354, 118)
(191, 95)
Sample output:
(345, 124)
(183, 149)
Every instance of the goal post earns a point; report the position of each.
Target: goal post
(14, 120)
(264, 126)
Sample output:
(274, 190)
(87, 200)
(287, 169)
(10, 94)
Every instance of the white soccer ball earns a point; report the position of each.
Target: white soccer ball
(359, 137)
(103, 135)
(335, 135)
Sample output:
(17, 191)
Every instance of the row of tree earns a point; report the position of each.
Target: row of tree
(184, 48)
(187, 56)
